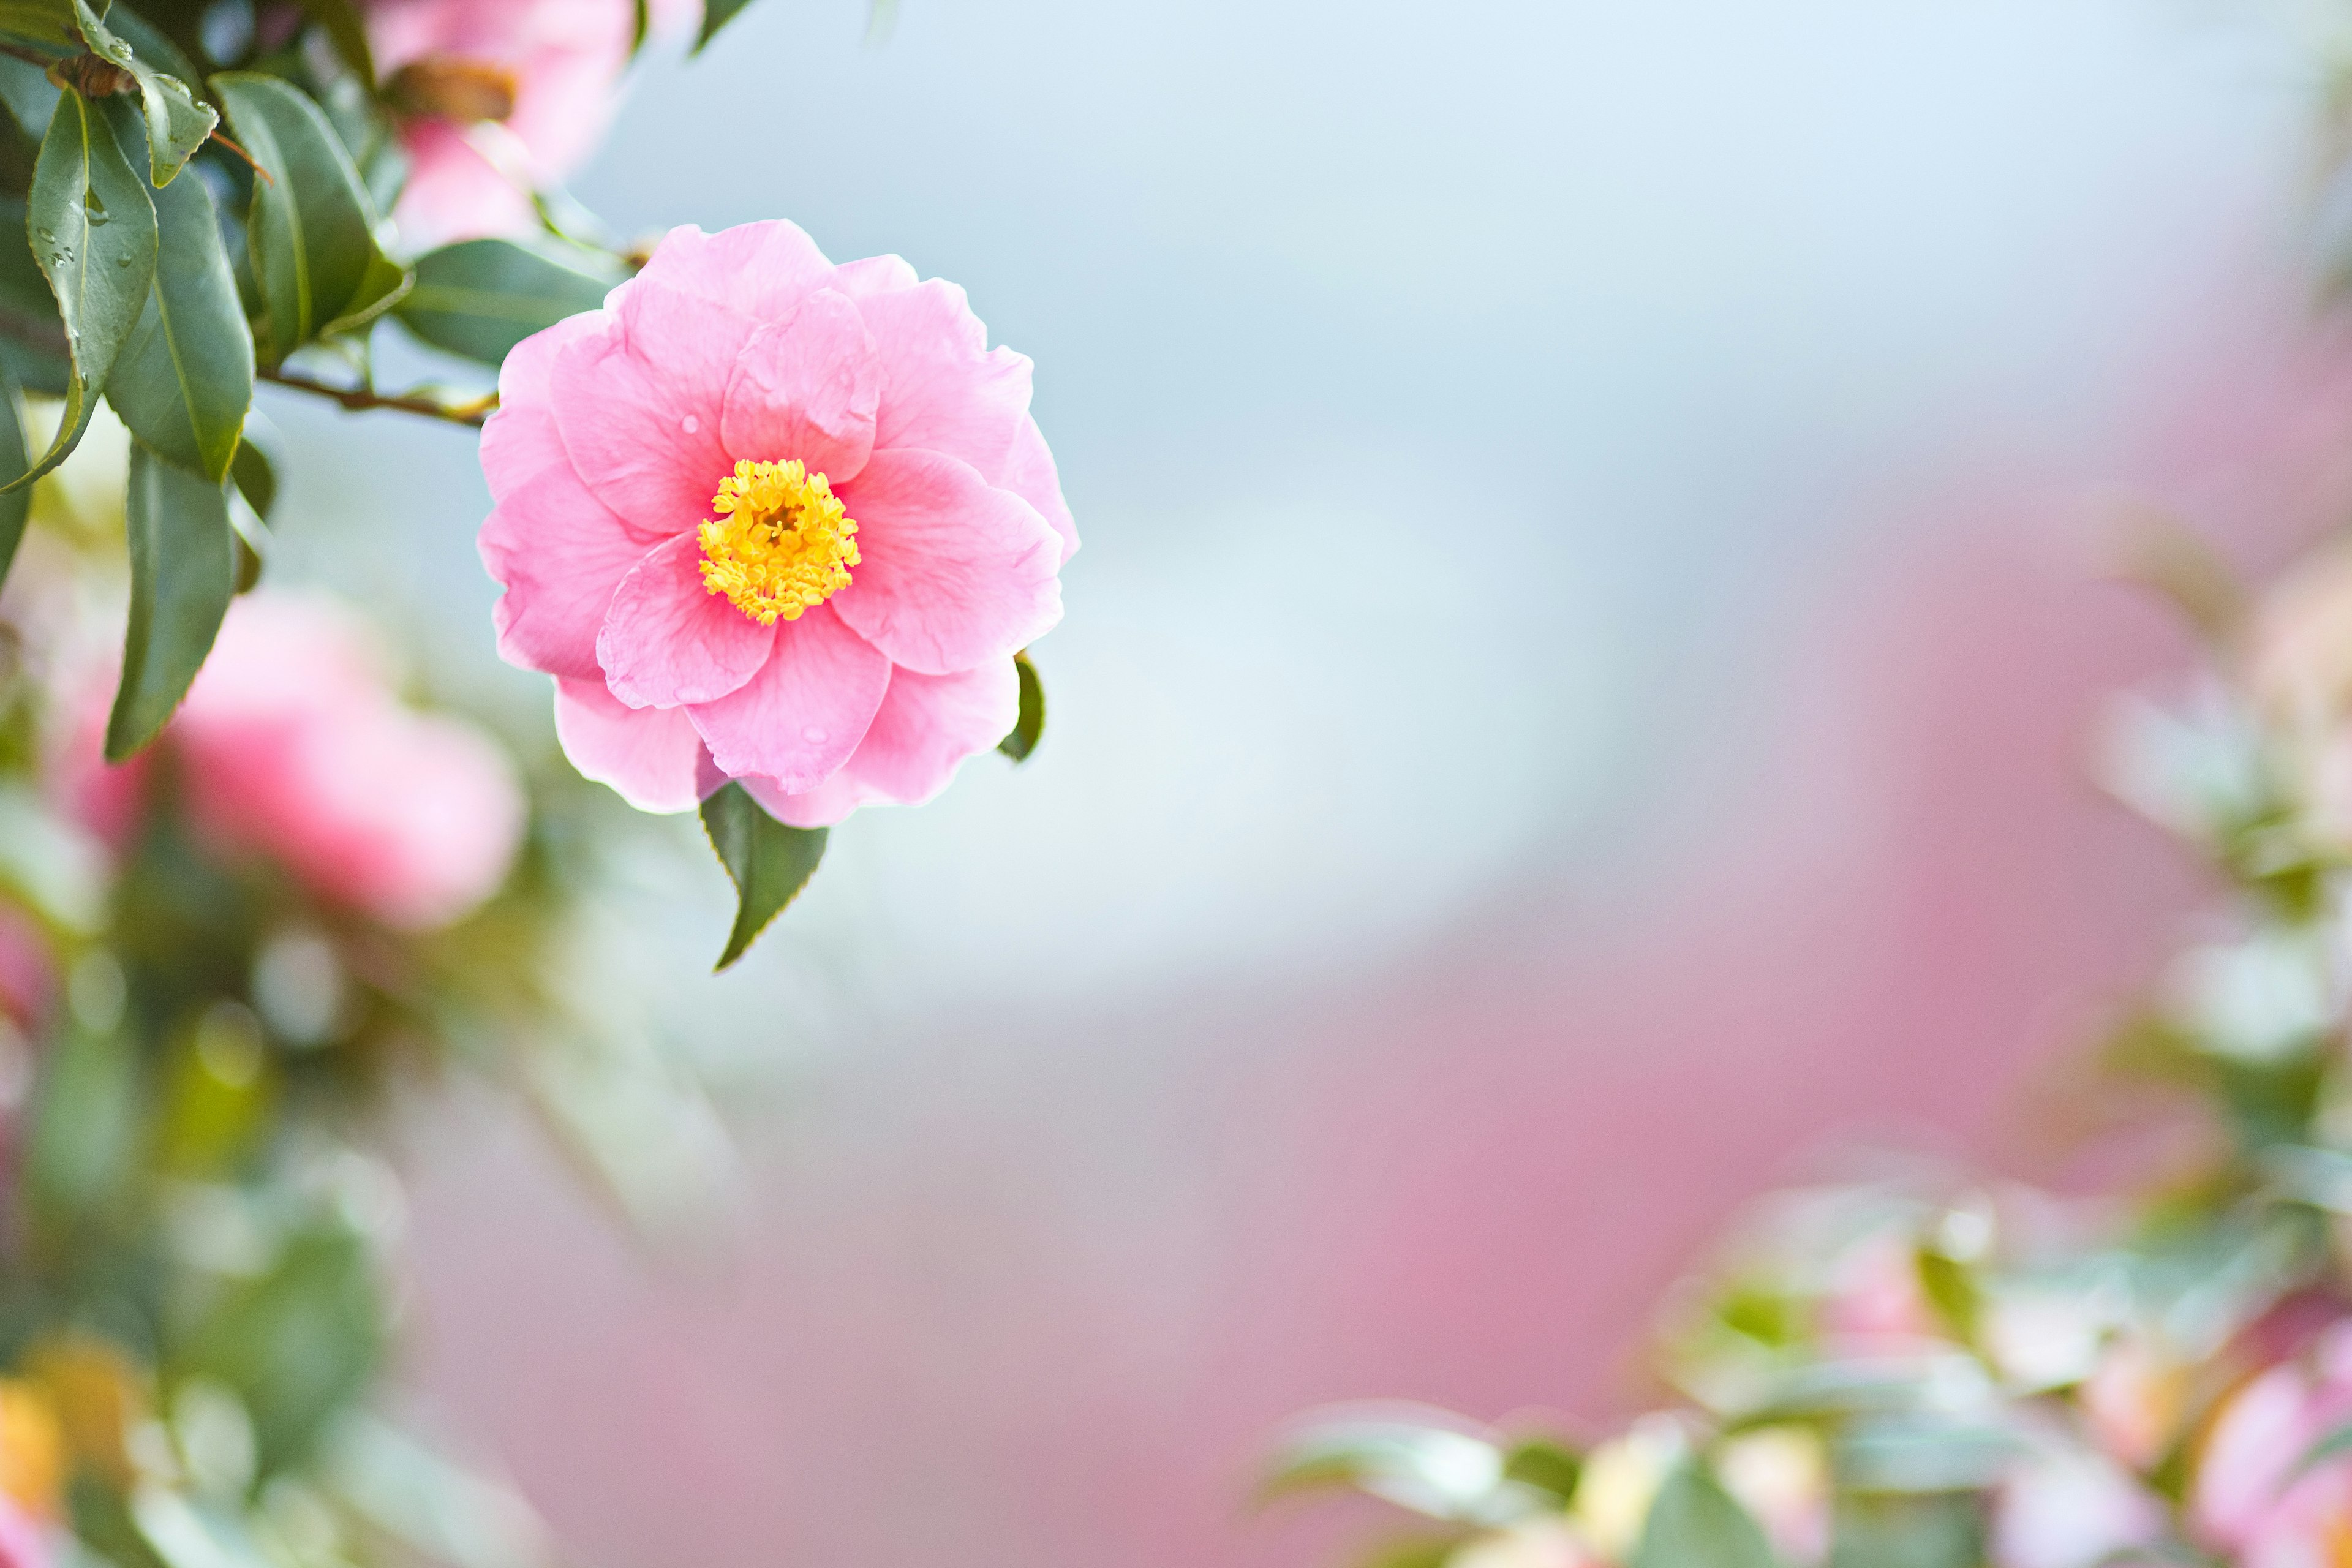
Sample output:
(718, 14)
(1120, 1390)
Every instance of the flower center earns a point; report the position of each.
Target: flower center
(779, 543)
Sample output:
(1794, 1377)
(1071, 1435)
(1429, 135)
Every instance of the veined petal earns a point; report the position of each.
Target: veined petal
(953, 571)
(639, 403)
(943, 388)
(762, 269)
(1030, 474)
(652, 756)
(521, 439)
(560, 554)
(800, 718)
(807, 387)
(926, 727)
(668, 640)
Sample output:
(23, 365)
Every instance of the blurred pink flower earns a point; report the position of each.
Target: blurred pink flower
(23, 1542)
(1875, 1299)
(292, 745)
(2255, 1495)
(536, 80)
(2070, 1508)
(771, 519)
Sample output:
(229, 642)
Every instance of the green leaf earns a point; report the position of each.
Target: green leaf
(82, 1132)
(639, 26)
(177, 122)
(1031, 725)
(716, 14)
(1545, 1465)
(1942, 1531)
(340, 20)
(93, 233)
(184, 381)
(1431, 1469)
(182, 575)
(770, 862)
(16, 505)
(1695, 1523)
(481, 298)
(255, 470)
(312, 228)
(299, 1344)
(47, 22)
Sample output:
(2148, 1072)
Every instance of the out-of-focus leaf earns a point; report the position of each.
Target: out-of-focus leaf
(1952, 1290)
(770, 862)
(93, 232)
(428, 1504)
(219, 1088)
(177, 122)
(312, 229)
(29, 94)
(182, 575)
(1030, 727)
(184, 380)
(1870, 1384)
(1413, 1551)
(50, 864)
(1431, 1469)
(184, 1536)
(716, 14)
(85, 1115)
(1921, 1454)
(1933, 1532)
(49, 21)
(482, 297)
(340, 20)
(640, 23)
(1695, 1523)
(297, 1345)
(1545, 1465)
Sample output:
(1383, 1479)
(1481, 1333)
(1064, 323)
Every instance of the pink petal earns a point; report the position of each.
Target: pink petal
(805, 388)
(943, 389)
(762, 269)
(652, 756)
(953, 571)
(926, 727)
(639, 402)
(874, 275)
(801, 716)
(560, 554)
(1030, 474)
(668, 640)
(521, 438)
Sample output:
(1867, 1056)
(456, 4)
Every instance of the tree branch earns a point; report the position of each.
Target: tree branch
(472, 412)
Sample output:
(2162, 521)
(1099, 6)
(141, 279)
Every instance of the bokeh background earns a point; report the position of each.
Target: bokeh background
(1576, 698)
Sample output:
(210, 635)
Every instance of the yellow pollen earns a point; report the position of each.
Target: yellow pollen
(779, 544)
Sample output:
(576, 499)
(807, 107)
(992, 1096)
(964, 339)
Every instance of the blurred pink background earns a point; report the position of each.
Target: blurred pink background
(1389, 974)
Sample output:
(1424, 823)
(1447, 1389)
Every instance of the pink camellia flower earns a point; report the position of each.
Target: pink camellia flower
(293, 746)
(2256, 1498)
(768, 518)
(478, 84)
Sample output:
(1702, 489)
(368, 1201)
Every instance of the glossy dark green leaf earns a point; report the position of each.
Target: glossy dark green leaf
(340, 20)
(770, 862)
(1695, 1523)
(32, 337)
(177, 121)
(182, 575)
(15, 456)
(716, 14)
(299, 1344)
(482, 297)
(311, 232)
(255, 470)
(92, 231)
(1030, 727)
(184, 380)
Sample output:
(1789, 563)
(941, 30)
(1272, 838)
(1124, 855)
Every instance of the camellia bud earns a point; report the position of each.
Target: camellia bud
(450, 87)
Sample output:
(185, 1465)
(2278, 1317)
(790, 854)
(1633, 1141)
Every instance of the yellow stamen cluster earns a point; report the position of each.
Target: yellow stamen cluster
(779, 544)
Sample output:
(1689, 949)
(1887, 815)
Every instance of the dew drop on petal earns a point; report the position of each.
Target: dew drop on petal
(812, 735)
(689, 424)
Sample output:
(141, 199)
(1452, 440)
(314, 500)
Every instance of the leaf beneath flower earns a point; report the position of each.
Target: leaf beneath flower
(769, 861)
